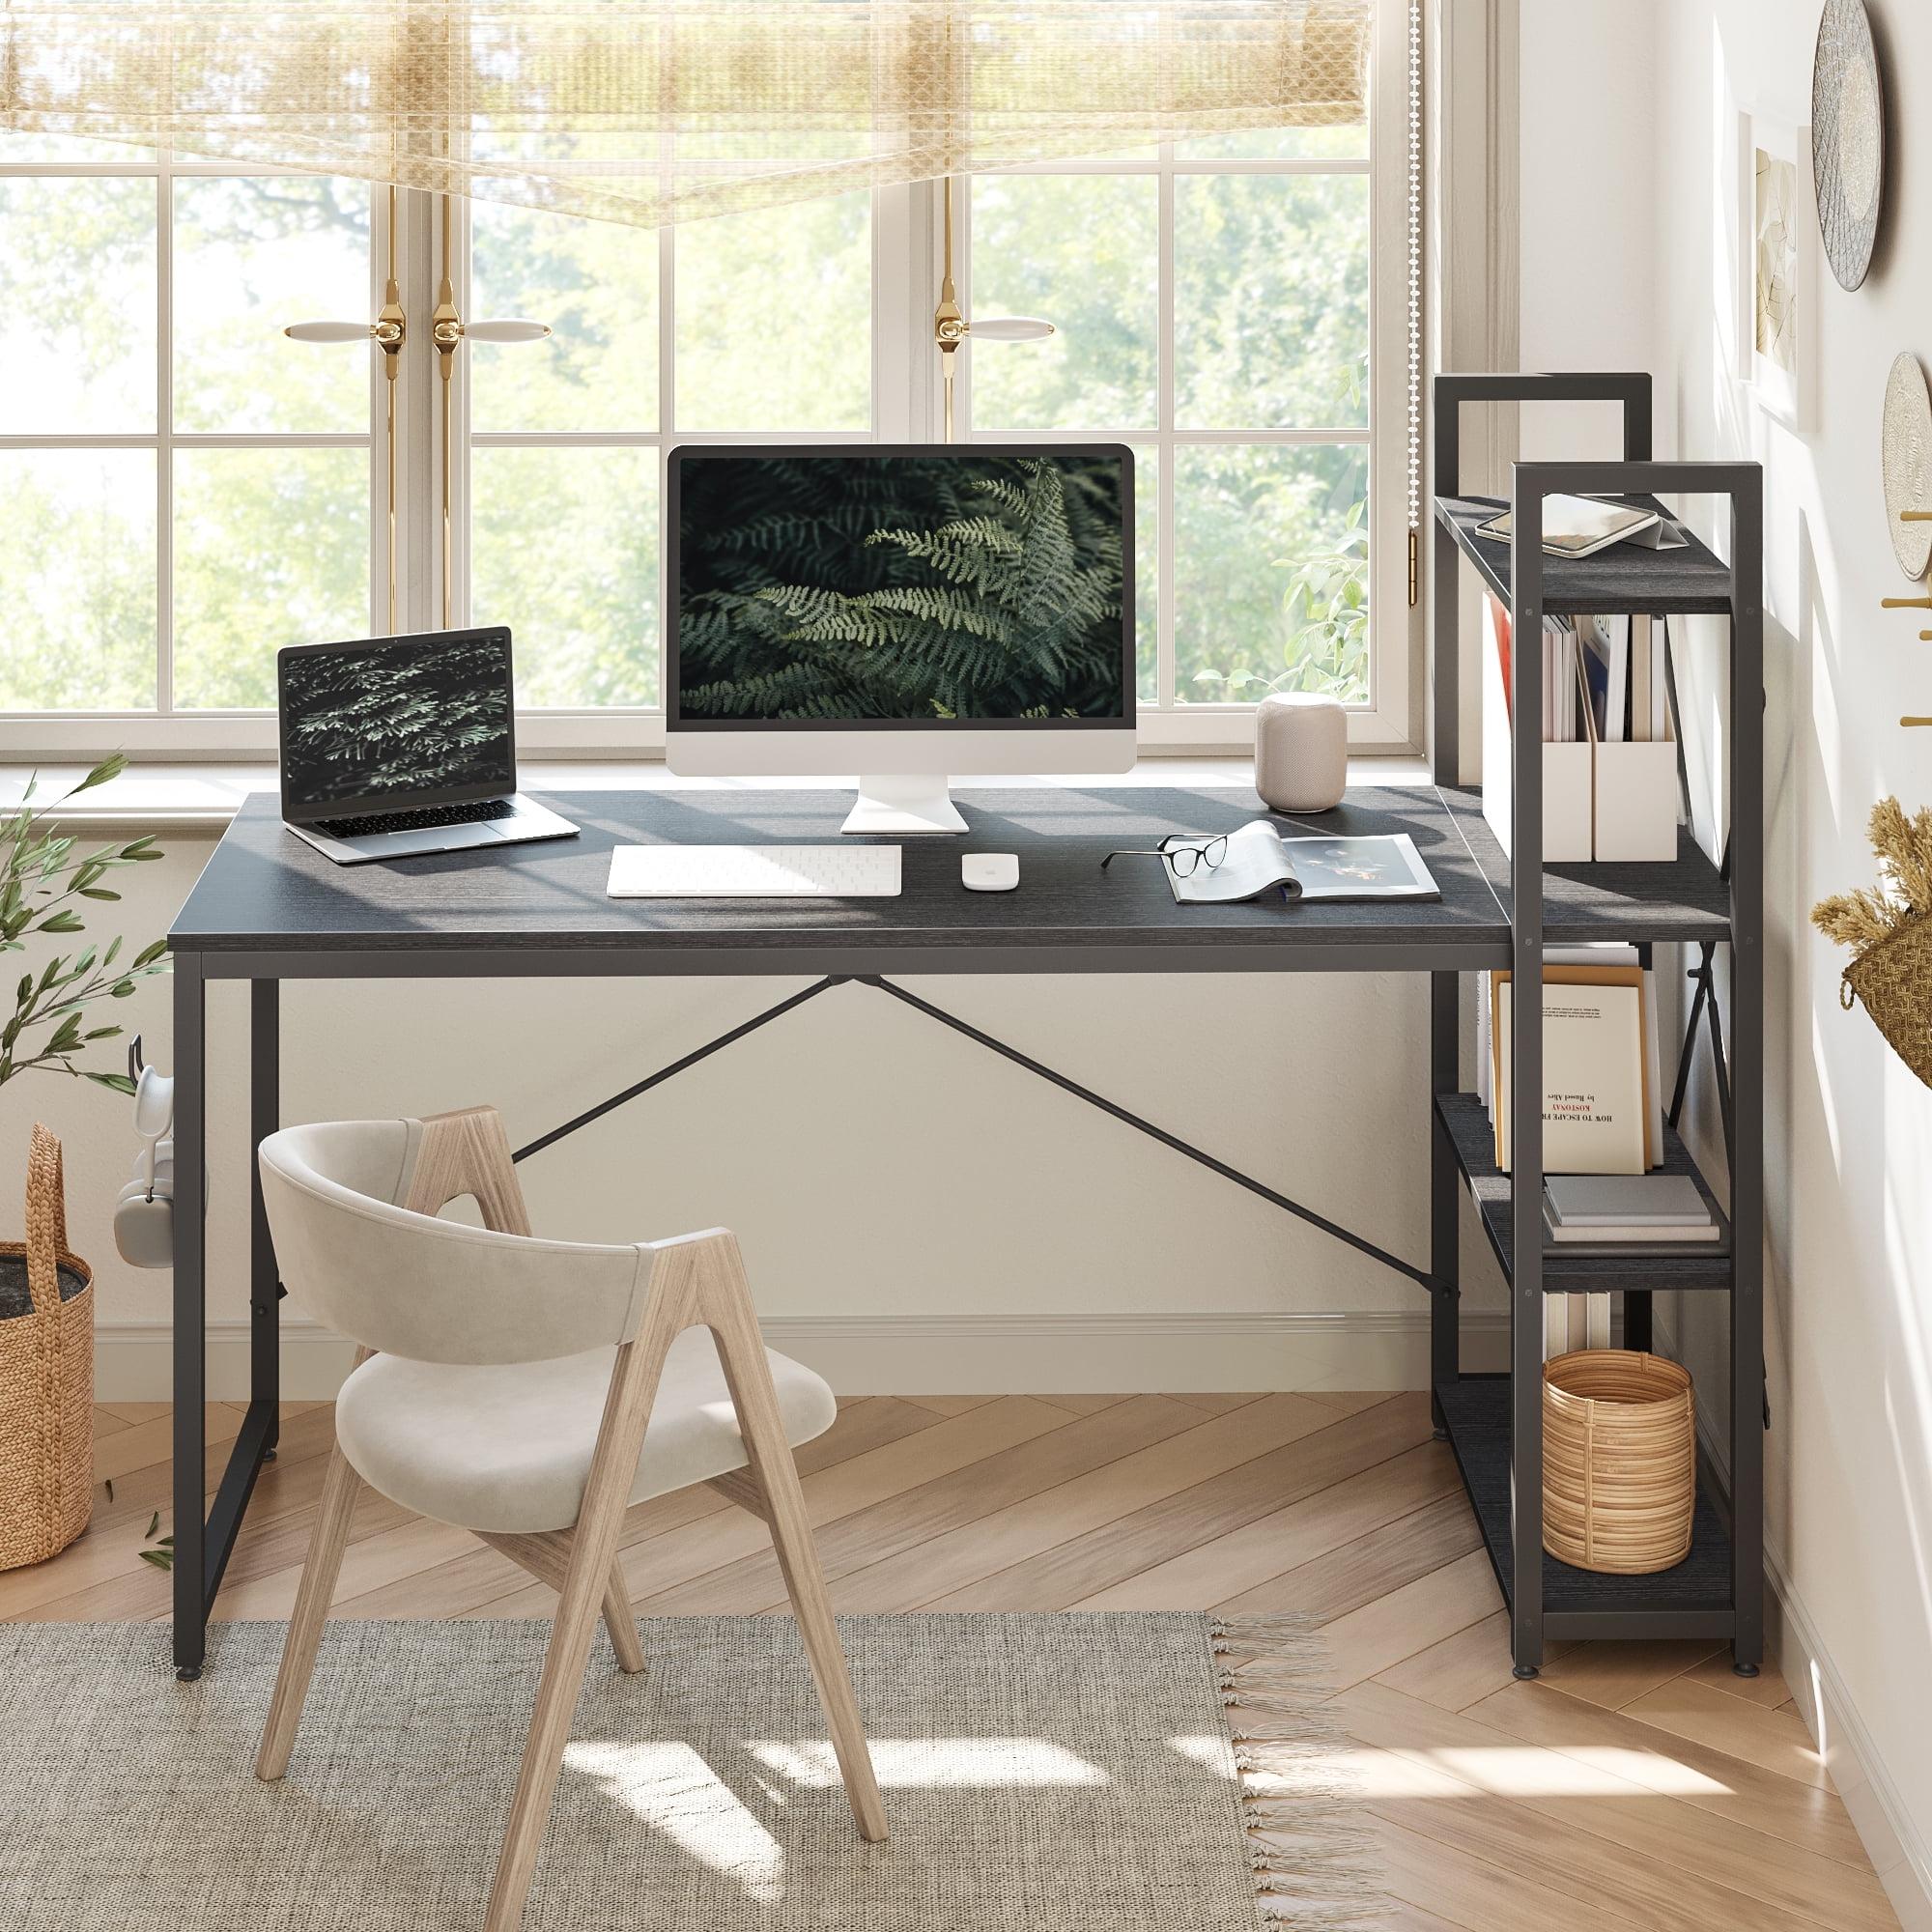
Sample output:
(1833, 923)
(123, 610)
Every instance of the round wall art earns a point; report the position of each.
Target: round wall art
(1906, 453)
(1847, 138)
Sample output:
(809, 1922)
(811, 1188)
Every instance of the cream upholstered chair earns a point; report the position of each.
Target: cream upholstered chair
(531, 1391)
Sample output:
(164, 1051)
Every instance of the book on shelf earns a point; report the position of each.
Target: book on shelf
(1596, 1083)
(1621, 672)
(1556, 956)
(1258, 860)
(1582, 526)
(1610, 786)
(1615, 1210)
(1575, 1322)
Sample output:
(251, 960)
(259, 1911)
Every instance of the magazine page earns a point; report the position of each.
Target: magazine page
(1384, 867)
(1253, 864)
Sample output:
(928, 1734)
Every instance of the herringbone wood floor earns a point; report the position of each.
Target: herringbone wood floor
(1631, 1785)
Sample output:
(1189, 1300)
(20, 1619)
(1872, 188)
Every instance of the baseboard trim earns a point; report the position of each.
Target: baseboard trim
(1891, 1836)
(936, 1354)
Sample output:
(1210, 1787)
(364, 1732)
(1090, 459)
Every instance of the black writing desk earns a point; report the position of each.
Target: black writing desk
(269, 908)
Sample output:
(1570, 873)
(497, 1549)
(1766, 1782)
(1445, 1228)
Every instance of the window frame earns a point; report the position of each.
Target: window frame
(406, 231)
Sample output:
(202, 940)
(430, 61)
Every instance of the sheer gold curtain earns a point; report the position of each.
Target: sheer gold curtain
(653, 111)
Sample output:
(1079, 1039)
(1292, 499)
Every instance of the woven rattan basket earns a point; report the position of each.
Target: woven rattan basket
(1893, 978)
(46, 1377)
(1619, 1461)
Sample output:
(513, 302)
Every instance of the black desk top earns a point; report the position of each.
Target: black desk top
(267, 903)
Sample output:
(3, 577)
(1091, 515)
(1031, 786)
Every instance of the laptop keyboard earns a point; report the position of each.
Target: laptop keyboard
(423, 818)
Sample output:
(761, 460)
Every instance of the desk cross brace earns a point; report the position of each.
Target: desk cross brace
(1421, 1276)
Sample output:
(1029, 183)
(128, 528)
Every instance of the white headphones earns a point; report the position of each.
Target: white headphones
(144, 1216)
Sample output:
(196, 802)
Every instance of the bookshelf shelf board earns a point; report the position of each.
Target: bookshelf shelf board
(1684, 898)
(1563, 1272)
(1692, 1600)
(1623, 577)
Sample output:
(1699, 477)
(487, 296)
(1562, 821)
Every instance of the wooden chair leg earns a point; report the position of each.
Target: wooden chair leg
(546, 1556)
(340, 1488)
(725, 1304)
(586, 1584)
(621, 1622)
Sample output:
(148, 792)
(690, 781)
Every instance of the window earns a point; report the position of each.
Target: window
(187, 488)
(1232, 309)
(180, 490)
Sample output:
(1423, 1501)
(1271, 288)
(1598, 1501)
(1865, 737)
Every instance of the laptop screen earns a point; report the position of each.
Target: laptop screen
(390, 723)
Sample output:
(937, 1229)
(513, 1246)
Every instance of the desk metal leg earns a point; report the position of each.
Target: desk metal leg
(1446, 1357)
(202, 1547)
(264, 1288)
(190, 1376)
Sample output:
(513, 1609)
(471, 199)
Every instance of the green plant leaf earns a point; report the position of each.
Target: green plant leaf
(161, 1559)
(153, 1523)
(107, 769)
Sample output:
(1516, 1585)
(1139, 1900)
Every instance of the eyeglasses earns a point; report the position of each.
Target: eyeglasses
(1183, 851)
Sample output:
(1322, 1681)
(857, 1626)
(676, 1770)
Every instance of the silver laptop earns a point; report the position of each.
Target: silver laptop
(393, 747)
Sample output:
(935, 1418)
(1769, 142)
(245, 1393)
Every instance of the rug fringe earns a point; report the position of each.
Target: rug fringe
(1307, 1850)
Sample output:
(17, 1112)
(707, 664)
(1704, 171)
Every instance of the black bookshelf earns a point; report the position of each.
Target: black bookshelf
(1494, 1422)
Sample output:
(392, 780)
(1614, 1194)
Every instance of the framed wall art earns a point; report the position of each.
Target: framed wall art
(1777, 268)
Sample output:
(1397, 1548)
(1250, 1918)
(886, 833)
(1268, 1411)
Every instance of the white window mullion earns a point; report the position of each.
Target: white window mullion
(164, 455)
(1164, 693)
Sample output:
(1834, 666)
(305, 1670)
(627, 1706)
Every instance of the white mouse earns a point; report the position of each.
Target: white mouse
(990, 871)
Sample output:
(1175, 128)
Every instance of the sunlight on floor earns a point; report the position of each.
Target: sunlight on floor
(670, 1787)
(1210, 1753)
(1509, 1770)
(938, 1764)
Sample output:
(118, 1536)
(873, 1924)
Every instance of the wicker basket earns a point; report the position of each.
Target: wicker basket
(46, 1377)
(1619, 1461)
(1893, 978)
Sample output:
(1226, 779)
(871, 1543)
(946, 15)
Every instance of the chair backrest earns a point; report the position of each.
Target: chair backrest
(405, 1283)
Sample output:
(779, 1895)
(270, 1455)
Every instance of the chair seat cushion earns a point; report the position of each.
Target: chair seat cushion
(509, 1449)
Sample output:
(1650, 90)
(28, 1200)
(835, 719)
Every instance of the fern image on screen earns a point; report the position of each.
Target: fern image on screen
(416, 716)
(901, 587)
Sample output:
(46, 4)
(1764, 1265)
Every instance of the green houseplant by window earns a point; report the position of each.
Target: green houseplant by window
(44, 885)
(46, 1302)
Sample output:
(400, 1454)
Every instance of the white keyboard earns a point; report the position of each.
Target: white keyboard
(754, 872)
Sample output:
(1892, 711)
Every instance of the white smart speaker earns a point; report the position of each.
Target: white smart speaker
(1301, 751)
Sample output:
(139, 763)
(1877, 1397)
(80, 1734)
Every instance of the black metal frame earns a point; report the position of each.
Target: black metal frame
(1742, 1091)
(202, 1548)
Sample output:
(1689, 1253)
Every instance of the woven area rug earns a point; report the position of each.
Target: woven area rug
(1040, 1772)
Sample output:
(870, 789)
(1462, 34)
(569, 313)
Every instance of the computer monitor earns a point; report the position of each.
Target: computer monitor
(904, 612)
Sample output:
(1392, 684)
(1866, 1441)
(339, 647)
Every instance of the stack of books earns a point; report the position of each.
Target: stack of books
(1630, 1213)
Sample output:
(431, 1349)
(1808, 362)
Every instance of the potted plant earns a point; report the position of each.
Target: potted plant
(47, 1299)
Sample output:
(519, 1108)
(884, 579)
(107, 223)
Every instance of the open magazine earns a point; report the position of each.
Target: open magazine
(1259, 860)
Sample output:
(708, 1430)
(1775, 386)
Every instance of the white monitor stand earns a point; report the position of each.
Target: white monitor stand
(903, 802)
(903, 791)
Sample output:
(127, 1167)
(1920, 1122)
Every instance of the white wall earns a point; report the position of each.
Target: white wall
(1589, 180)
(918, 1215)
(1849, 1130)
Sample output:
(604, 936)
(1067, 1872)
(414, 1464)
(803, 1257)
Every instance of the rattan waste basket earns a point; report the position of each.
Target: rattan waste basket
(47, 1375)
(1619, 1461)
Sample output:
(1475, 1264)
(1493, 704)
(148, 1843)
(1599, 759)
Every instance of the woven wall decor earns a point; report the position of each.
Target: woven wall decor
(1847, 138)
(1905, 453)
(1891, 927)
